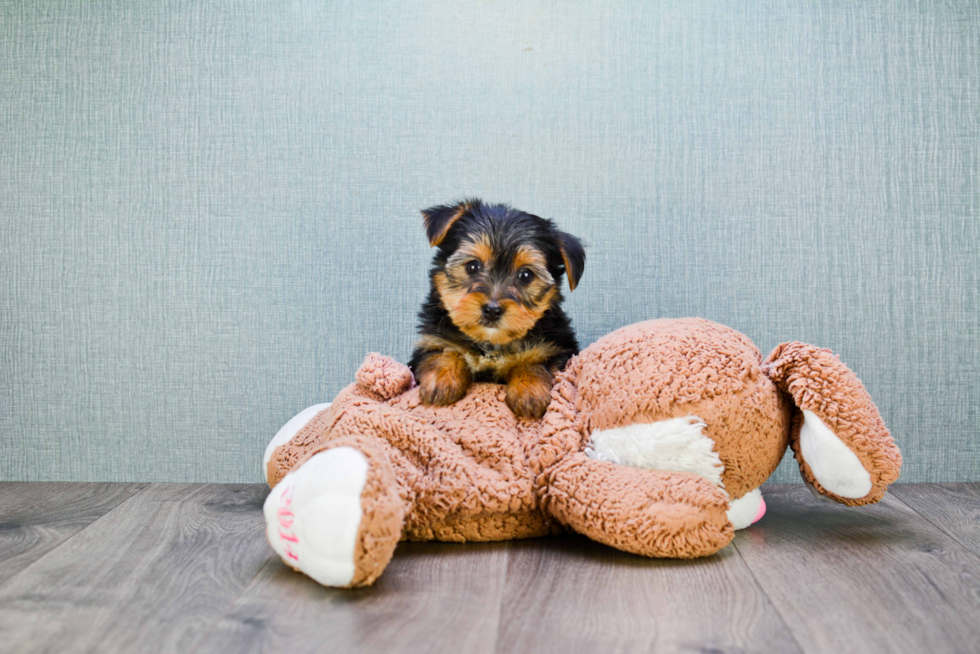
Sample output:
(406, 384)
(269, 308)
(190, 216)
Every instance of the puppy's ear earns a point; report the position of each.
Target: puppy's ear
(573, 255)
(439, 219)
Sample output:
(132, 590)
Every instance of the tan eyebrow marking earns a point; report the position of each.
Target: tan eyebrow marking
(478, 249)
(528, 257)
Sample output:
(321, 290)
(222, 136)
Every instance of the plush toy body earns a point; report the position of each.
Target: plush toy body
(656, 441)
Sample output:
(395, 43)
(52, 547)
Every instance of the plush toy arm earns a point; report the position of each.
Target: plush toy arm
(649, 512)
(382, 377)
(841, 443)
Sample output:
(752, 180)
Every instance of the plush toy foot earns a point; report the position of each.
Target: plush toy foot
(747, 510)
(335, 518)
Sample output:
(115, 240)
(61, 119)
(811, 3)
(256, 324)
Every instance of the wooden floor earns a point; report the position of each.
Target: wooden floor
(185, 568)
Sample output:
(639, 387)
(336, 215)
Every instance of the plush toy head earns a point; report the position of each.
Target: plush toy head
(691, 395)
(704, 373)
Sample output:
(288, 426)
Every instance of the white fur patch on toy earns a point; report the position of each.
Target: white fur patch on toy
(289, 430)
(747, 510)
(676, 444)
(312, 516)
(833, 464)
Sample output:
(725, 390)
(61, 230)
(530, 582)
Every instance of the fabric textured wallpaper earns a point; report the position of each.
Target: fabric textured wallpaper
(210, 209)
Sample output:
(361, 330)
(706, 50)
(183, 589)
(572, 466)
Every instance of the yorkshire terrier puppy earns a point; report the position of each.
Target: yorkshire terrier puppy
(494, 307)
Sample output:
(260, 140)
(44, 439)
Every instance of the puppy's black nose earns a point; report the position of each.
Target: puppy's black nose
(492, 311)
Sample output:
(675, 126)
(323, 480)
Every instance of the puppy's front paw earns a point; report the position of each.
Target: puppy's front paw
(443, 379)
(529, 391)
(440, 392)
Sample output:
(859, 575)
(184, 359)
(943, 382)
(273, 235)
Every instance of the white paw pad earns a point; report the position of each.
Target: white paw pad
(289, 430)
(312, 516)
(832, 463)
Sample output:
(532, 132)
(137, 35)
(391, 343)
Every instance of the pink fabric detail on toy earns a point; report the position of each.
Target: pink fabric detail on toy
(286, 522)
(762, 511)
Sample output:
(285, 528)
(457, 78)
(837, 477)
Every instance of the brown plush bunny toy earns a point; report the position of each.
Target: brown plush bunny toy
(656, 441)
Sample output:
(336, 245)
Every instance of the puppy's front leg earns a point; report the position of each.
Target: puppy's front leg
(443, 377)
(529, 390)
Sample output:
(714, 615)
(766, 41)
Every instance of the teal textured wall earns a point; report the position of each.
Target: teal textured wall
(210, 209)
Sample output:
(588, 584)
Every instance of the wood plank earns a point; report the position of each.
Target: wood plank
(155, 573)
(954, 508)
(164, 568)
(434, 597)
(37, 517)
(870, 579)
(570, 594)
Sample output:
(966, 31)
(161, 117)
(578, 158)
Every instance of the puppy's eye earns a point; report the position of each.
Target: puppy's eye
(473, 267)
(525, 276)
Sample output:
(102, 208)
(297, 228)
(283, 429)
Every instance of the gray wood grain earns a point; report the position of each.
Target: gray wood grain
(954, 508)
(871, 579)
(434, 597)
(185, 568)
(37, 517)
(153, 574)
(570, 594)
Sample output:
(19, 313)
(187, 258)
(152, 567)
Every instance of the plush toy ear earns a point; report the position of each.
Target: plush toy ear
(573, 255)
(440, 218)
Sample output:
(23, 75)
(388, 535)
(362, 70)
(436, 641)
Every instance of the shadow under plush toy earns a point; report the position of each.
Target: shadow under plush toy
(656, 441)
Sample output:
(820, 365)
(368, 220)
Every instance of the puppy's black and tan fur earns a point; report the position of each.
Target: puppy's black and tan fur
(494, 308)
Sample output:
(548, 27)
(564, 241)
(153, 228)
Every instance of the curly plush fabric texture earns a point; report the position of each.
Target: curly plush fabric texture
(817, 381)
(472, 472)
